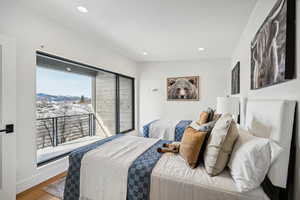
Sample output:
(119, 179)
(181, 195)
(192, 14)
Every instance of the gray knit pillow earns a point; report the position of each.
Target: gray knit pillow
(207, 127)
(211, 113)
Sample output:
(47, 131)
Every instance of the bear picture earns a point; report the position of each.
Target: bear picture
(183, 88)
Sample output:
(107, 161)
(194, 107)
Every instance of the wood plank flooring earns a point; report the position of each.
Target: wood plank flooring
(37, 192)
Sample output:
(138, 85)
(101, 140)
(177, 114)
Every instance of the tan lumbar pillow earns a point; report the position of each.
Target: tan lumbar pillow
(220, 144)
(191, 144)
(203, 118)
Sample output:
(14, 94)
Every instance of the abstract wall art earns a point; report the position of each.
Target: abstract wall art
(273, 47)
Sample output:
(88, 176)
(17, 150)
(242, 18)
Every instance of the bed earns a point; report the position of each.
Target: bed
(166, 129)
(129, 167)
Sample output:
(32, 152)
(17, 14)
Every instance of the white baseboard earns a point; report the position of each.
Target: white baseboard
(43, 173)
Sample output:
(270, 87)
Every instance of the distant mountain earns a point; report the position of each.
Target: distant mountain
(48, 97)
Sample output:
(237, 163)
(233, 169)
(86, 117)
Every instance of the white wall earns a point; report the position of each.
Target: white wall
(288, 90)
(32, 31)
(153, 75)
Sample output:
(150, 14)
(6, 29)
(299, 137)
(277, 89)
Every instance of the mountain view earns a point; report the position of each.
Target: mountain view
(58, 105)
(48, 97)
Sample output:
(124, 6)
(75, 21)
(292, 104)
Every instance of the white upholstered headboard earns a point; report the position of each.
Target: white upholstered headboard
(273, 119)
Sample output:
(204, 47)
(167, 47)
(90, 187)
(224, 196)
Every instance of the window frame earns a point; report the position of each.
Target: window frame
(118, 114)
(118, 75)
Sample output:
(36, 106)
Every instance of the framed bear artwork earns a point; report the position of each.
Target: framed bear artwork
(183, 88)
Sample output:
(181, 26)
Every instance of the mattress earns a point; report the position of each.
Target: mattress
(172, 179)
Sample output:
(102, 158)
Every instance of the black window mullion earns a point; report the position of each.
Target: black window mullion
(133, 104)
(117, 104)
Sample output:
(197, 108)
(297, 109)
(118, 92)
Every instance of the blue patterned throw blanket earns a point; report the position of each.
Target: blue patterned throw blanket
(146, 128)
(139, 172)
(72, 187)
(178, 131)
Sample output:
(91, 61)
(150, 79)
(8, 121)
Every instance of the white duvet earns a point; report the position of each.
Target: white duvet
(163, 129)
(104, 175)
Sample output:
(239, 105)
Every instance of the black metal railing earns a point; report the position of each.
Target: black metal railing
(53, 131)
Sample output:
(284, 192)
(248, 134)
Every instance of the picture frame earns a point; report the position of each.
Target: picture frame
(183, 88)
(273, 47)
(235, 79)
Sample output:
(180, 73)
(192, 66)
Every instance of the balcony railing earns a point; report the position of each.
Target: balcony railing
(54, 131)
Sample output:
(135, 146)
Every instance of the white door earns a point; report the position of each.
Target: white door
(7, 118)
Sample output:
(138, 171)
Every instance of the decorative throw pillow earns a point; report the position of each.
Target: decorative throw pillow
(220, 144)
(190, 145)
(207, 127)
(211, 113)
(251, 159)
(203, 118)
(216, 117)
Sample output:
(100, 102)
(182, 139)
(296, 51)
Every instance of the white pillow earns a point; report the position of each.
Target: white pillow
(251, 159)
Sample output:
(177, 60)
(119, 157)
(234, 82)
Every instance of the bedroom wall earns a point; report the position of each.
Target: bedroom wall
(153, 75)
(287, 90)
(31, 31)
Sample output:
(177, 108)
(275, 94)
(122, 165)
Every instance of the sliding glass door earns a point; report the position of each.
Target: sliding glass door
(114, 97)
(77, 103)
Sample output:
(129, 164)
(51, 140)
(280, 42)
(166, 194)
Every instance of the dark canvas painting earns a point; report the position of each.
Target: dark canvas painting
(272, 49)
(235, 79)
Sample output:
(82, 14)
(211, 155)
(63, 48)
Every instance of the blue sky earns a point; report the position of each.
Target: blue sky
(62, 83)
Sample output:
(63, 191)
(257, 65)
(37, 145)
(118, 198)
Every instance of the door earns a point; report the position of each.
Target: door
(7, 118)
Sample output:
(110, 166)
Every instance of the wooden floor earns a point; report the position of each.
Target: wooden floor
(37, 192)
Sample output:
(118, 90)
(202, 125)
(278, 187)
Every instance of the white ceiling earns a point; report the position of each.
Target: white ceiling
(166, 29)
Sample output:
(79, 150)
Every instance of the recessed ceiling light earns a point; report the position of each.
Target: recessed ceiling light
(82, 9)
(68, 69)
(201, 49)
(145, 53)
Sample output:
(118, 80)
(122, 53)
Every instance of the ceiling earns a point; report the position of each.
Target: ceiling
(165, 29)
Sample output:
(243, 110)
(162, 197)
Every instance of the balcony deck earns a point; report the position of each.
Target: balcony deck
(58, 136)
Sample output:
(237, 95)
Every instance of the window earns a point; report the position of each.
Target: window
(78, 104)
(63, 106)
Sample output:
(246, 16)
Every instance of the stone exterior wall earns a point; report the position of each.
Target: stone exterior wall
(105, 103)
(125, 104)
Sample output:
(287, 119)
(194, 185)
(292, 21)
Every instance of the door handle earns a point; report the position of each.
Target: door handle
(9, 128)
